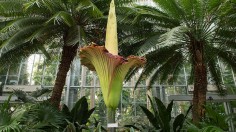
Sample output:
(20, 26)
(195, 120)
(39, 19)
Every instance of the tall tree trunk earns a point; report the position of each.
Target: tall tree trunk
(68, 55)
(200, 82)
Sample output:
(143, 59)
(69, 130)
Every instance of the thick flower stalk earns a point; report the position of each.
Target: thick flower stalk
(110, 67)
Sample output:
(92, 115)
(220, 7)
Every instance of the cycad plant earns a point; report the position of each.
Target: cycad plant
(110, 67)
(179, 32)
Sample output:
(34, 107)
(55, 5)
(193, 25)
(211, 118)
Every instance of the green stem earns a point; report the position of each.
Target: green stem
(111, 118)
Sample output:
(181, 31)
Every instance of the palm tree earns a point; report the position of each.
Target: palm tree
(179, 32)
(33, 25)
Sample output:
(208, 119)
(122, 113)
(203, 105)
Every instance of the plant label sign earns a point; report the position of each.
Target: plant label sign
(112, 125)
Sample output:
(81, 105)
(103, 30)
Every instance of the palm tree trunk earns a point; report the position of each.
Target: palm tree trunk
(200, 87)
(68, 55)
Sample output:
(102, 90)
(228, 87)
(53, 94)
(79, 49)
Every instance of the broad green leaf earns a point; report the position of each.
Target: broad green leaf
(178, 122)
(169, 109)
(79, 111)
(89, 113)
(150, 117)
(66, 111)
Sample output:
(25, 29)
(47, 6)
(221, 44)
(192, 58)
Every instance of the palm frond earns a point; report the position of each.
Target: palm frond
(172, 37)
(15, 55)
(226, 56)
(153, 15)
(214, 70)
(156, 59)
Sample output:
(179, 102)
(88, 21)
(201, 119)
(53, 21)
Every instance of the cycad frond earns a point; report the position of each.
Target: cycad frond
(224, 54)
(20, 37)
(172, 37)
(36, 8)
(154, 15)
(53, 5)
(46, 33)
(10, 8)
(168, 70)
(229, 58)
(14, 56)
(157, 61)
(22, 22)
(170, 7)
(61, 17)
(88, 7)
(214, 70)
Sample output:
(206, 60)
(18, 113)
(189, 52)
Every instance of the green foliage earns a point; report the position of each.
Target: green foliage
(42, 117)
(160, 117)
(215, 118)
(9, 120)
(78, 116)
(208, 128)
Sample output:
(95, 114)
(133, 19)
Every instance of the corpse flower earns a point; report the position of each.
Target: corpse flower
(111, 70)
(109, 66)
